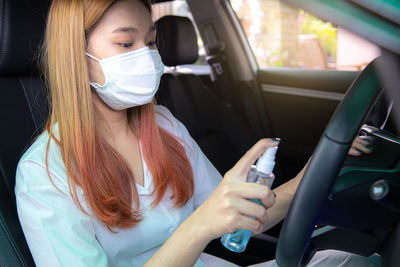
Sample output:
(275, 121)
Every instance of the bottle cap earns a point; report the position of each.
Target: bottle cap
(266, 162)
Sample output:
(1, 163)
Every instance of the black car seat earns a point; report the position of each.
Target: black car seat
(219, 131)
(23, 111)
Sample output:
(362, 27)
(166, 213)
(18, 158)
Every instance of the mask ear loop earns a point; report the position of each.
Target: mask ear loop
(93, 57)
(96, 85)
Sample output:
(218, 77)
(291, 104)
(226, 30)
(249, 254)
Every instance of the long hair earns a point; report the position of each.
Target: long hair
(91, 163)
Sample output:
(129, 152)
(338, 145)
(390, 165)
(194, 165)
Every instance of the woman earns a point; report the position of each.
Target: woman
(115, 180)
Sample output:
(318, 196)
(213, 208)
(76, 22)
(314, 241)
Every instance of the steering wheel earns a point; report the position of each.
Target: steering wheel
(313, 191)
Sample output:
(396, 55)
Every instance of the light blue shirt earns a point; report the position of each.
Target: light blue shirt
(60, 234)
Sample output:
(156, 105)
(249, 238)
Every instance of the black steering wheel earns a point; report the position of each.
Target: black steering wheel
(313, 191)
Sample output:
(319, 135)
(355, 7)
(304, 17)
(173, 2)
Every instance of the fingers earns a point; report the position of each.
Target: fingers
(269, 200)
(242, 167)
(250, 208)
(250, 191)
(360, 146)
(245, 222)
(255, 206)
(260, 192)
(251, 224)
(354, 152)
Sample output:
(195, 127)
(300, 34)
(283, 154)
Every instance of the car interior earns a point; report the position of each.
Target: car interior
(343, 202)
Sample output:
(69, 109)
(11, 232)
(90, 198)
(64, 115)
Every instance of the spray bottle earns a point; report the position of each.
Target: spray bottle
(261, 173)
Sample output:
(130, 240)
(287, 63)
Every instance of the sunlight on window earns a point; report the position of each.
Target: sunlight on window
(283, 36)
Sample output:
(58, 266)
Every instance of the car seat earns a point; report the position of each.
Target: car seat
(222, 135)
(23, 112)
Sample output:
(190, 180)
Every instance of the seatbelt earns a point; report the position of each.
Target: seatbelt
(221, 76)
(226, 89)
(220, 71)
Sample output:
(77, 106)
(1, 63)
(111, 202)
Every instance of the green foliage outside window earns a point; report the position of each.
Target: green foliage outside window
(325, 32)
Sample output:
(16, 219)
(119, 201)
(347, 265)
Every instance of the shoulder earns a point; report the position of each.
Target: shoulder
(37, 151)
(164, 117)
(167, 121)
(31, 169)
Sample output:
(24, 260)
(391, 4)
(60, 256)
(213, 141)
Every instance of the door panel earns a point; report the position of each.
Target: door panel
(319, 80)
(299, 104)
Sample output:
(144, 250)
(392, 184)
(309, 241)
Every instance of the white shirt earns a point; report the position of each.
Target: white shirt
(60, 234)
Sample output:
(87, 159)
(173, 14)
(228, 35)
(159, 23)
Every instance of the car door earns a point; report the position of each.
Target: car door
(305, 66)
(299, 104)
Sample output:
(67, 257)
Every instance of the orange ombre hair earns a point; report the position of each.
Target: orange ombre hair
(91, 163)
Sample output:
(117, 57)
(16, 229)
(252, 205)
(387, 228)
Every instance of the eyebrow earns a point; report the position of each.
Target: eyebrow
(132, 29)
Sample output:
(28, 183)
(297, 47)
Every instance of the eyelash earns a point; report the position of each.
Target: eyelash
(127, 45)
(152, 43)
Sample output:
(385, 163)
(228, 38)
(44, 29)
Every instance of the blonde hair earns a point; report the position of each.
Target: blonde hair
(91, 163)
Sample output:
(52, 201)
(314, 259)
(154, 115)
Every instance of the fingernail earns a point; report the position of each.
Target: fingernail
(359, 150)
(277, 139)
(274, 194)
(367, 139)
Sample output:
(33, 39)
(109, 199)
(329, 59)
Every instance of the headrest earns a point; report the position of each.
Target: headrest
(176, 40)
(22, 24)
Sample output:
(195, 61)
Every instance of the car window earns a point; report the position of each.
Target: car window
(283, 36)
(179, 8)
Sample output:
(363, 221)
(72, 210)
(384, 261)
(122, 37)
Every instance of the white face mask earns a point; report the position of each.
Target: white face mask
(132, 78)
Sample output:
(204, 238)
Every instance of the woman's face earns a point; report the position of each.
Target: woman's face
(126, 26)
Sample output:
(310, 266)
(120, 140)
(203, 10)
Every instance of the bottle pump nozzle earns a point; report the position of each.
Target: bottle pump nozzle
(266, 161)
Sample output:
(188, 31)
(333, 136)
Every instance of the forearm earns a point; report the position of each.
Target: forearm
(282, 202)
(183, 248)
(284, 195)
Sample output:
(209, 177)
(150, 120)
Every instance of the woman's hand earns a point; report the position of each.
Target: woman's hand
(228, 209)
(360, 146)
(225, 210)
